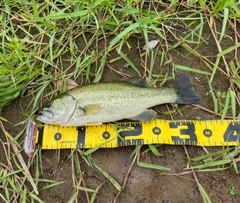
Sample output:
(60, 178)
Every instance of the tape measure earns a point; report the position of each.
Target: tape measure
(180, 132)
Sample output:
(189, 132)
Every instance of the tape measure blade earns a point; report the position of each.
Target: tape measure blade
(188, 132)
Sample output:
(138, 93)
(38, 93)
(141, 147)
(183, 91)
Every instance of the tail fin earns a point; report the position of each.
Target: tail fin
(185, 91)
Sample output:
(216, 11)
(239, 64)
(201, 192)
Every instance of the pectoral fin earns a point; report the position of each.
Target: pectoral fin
(92, 109)
(93, 123)
(146, 115)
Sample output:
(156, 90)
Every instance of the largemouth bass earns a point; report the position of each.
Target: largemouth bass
(99, 103)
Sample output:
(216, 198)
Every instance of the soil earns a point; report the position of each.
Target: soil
(143, 185)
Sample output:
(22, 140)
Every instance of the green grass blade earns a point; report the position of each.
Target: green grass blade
(204, 193)
(53, 185)
(114, 182)
(226, 105)
(215, 101)
(211, 164)
(90, 151)
(98, 75)
(38, 95)
(185, 68)
(61, 15)
(224, 25)
(154, 150)
(214, 69)
(35, 9)
(226, 51)
(129, 62)
(233, 103)
(152, 166)
(123, 34)
(136, 150)
(85, 189)
(97, 3)
(94, 195)
(35, 197)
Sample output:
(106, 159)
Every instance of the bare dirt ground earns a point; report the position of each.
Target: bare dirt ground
(143, 185)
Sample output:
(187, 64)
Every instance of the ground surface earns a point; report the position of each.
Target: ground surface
(143, 185)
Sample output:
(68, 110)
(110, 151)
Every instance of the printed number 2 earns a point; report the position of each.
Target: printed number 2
(136, 131)
(185, 129)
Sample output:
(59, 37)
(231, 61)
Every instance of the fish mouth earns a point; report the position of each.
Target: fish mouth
(46, 113)
(40, 113)
(44, 116)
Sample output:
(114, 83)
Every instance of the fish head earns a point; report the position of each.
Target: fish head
(58, 111)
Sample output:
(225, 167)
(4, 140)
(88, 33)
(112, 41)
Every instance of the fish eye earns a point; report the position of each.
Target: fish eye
(49, 104)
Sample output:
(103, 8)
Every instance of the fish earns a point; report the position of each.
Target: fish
(129, 98)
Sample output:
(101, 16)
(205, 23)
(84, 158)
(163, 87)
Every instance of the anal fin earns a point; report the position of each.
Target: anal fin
(146, 115)
(93, 123)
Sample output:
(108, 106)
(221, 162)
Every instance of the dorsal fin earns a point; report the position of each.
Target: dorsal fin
(135, 81)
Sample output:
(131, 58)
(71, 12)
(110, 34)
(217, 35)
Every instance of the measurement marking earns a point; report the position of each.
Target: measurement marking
(200, 133)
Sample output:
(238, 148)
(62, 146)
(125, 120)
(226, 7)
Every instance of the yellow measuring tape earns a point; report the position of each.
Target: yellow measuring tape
(181, 132)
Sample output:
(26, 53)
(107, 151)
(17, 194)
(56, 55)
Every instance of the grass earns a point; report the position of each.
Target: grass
(45, 42)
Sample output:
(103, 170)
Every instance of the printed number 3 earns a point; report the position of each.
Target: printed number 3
(184, 129)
